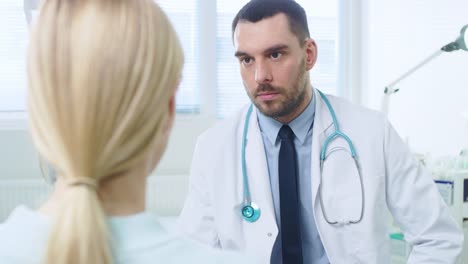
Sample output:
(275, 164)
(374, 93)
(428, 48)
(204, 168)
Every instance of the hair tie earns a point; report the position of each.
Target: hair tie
(83, 181)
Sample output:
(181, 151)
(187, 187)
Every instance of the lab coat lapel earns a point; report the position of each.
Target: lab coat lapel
(322, 127)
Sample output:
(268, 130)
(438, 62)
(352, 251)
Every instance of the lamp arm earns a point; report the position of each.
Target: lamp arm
(389, 89)
(385, 104)
(460, 43)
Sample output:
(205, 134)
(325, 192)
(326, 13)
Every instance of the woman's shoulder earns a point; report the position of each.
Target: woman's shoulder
(22, 220)
(23, 231)
(152, 239)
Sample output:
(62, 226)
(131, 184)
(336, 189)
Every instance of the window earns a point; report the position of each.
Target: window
(225, 94)
(13, 44)
(13, 41)
(211, 85)
(183, 15)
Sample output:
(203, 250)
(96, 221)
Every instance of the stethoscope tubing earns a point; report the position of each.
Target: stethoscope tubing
(251, 212)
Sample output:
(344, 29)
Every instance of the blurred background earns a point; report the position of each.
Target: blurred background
(363, 46)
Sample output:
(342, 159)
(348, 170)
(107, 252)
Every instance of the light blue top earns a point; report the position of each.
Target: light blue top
(136, 239)
(312, 248)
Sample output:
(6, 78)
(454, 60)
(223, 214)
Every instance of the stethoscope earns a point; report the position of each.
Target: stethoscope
(251, 211)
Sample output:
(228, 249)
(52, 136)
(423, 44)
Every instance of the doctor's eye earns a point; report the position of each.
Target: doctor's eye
(246, 61)
(276, 55)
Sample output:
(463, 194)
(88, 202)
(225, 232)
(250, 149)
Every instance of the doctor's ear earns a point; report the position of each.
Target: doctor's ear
(311, 53)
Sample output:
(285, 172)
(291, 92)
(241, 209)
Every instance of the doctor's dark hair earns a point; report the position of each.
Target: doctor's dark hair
(256, 10)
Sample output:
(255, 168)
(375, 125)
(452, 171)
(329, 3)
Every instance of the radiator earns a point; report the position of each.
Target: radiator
(165, 194)
(29, 192)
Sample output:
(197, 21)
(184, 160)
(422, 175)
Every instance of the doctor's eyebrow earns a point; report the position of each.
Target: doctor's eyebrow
(239, 54)
(268, 51)
(276, 48)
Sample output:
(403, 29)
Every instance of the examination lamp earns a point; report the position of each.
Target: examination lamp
(460, 44)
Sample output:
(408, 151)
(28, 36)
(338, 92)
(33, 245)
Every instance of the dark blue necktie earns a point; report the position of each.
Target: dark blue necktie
(289, 199)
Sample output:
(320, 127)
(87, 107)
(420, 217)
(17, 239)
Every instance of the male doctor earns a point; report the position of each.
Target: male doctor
(307, 206)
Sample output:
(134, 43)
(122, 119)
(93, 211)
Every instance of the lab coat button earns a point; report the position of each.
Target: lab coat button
(269, 234)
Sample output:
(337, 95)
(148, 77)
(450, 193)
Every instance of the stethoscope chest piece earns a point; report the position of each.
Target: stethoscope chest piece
(251, 212)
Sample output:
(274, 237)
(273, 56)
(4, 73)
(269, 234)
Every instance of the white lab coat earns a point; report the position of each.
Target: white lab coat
(393, 182)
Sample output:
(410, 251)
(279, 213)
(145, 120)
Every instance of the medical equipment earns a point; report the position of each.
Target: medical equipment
(461, 43)
(251, 212)
(336, 134)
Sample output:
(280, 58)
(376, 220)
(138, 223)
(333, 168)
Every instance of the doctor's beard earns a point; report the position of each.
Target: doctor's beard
(291, 99)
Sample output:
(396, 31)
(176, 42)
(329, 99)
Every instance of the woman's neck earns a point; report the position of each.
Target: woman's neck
(120, 195)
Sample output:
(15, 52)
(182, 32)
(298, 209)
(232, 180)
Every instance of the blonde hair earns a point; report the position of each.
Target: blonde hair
(101, 76)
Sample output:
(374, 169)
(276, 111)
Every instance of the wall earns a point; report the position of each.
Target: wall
(398, 35)
(19, 160)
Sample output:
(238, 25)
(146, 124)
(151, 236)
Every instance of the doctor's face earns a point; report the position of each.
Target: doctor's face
(274, 66)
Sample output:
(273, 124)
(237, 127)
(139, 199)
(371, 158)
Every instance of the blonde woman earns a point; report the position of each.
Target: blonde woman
(102, 82)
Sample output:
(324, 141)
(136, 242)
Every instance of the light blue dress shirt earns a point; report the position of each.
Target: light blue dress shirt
(312, 248)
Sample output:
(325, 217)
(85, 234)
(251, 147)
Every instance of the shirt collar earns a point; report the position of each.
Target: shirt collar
(301, 125)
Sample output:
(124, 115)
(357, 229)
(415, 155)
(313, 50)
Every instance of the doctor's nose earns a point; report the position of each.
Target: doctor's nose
(263, 73)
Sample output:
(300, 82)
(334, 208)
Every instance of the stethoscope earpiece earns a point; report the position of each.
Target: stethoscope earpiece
(250, 212)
